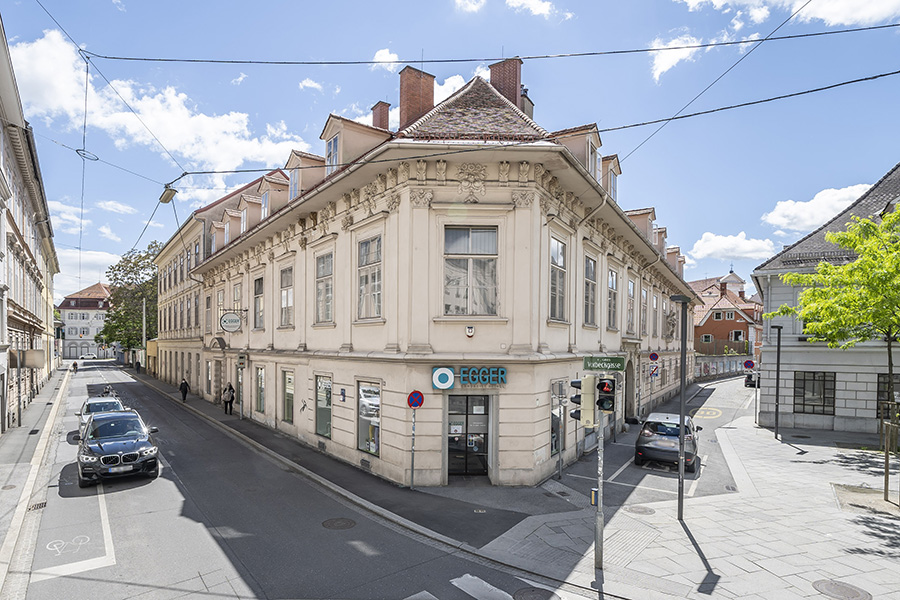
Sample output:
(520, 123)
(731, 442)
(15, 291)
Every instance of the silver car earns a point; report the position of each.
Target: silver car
(658, 441)
(97, 404)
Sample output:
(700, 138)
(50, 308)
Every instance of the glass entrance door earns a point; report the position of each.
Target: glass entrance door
(467, 436)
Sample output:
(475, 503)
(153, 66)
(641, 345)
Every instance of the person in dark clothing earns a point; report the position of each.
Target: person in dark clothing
(228, 399)
(185, 388)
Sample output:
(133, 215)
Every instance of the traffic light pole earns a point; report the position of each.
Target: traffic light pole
(598, 524)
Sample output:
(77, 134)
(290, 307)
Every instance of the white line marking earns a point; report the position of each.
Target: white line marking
(694, 483)
(622, 468)
(581, 477)
(643, 487)
(423, 595)
(478, 588)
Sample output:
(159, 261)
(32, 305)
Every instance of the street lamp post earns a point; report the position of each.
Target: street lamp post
(777, 328)
(683, 300)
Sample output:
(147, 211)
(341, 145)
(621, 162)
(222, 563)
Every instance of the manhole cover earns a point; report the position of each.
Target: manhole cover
(533, 593)
(840, 590)
(8, 487)
(801, 437)
(640, 510)
(731, 488)
(339, 524)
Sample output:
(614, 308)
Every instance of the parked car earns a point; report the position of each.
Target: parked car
(658, 441)
(90, 356)
(751, 379)
(116, 444)
(98, 404)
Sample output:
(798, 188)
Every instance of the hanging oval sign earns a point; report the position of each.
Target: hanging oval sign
(230, 322)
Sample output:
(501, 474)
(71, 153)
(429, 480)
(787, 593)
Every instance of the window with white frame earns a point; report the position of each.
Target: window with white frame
(655, 315)
(237, 301)
(258, 315)
(287, 390)
(260, 389)
(629, 309)
(243, 220)
(323, 406)
(209, 377)
(287, 297)
(557, 280)
(188, 313)
(264, 206)
(470, 270)
(331, 155)
(644, 295)
(590, 291)
(220, 308)
(196, 253)
(227, 233)
(369, 278)
(612, 300)
(324, 288)
(717, 315)
(706, 338)
(736, 336)
(369, 417)
(294, 189)
(613, 184)
(729, 315)
(197, 309)
(592, 159)
(208, 314)
(213, 242)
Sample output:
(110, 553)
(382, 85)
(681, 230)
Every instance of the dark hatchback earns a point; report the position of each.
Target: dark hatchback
(658, 441)
(116, 444)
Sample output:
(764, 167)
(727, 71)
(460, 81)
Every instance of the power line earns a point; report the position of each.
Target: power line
(482, 59)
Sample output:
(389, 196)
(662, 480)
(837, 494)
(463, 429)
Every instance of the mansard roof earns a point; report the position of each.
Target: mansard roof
(814, 248)
(476, 111)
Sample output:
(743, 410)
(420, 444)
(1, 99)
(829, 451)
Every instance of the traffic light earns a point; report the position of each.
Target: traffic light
(606, 394)
(587, 414)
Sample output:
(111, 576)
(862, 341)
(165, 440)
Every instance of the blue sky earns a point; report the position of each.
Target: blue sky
(732, 187)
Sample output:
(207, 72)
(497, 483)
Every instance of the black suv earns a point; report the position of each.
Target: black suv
(115, 444)
(751, 379)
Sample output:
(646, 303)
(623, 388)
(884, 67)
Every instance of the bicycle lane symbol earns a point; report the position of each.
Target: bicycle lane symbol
(60, 547)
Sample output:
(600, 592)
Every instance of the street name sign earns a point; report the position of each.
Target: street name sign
(604, 363)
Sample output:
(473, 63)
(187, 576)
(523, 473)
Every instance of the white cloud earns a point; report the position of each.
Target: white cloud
(483, 71)
(568, 15)
(540, 8)
(239, 79)
(93, 265)
(736, 22)
(106, 232)
(387, 60)
(470, 5)
(831, 12)
(67, 218)
(50, 77)
(309, 83)
(731, 247)
(153, 224)
(802, 217)
(667, 59)
(116, 207)
(444, 90)
(121, 6)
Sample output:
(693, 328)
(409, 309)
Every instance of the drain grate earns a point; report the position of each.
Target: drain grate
(37, 506)
(340, 523)
(840, 590)
(640, 510)
(34, 432)
(800, 437)
(534, 593)
(731, 488)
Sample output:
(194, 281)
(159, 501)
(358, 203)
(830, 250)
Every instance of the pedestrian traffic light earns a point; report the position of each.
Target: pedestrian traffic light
(606, 394)
(587, 414)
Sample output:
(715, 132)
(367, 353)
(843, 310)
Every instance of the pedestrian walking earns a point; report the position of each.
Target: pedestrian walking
(228, 398)
(185, 387)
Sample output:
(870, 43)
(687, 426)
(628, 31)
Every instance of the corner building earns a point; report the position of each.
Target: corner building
(472, 256)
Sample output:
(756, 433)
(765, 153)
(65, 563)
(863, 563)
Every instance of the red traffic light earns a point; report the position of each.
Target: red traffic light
(606, 386)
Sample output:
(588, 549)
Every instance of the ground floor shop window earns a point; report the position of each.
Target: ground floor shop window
(209, 377)
(882, 396)
(261, 389)
(369, 434)
(239, 386)
(287, 384)
(323, 406)
(557, 417)
(467, 439)
(814, 392)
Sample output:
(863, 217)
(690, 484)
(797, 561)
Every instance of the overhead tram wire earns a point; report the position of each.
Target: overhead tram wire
(716, 80)
(420, 61)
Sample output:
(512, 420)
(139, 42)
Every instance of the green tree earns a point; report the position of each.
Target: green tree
(844, 304)
(133, 279)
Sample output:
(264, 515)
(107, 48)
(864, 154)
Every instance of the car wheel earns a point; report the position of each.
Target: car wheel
(692, 468)
(638, 461)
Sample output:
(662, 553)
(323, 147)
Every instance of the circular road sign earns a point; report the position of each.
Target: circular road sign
(442, 378)
(749, 364)
(415, 399)
(230, 322)
(654, 356)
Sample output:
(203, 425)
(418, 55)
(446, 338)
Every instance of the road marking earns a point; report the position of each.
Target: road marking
(706, 413)
(694, 483)
(643, 487)
(421, 596)
(582, 477)
(107, 560)
(478, 588)
(622, 468)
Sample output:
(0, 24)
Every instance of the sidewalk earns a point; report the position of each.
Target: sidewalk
(807, 520)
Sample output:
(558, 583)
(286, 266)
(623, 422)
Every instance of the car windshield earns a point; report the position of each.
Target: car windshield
(662, 428)
(117, 428)
(102, 406)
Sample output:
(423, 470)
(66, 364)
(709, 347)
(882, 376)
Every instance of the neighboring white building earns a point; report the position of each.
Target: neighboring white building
(472, 256)
(83, 315)
(28, 261)
(821, 387)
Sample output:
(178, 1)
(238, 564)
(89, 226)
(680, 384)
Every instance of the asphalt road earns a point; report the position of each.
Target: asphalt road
(627, 484)
(223, 521)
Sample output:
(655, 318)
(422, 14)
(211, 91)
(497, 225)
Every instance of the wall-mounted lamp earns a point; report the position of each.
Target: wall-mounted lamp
(167, 194)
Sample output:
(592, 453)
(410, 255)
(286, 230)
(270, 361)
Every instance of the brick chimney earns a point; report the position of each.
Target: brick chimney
(741, 294)
(723, 287)
(506, 77)
(416, 95)
(381, 115)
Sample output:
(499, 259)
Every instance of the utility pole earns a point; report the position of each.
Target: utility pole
(683, 300)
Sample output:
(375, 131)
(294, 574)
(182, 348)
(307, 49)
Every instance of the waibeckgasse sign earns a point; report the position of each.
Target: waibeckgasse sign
(604, 363)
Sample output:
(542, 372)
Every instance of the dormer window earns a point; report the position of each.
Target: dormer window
(213, 246)
(592, 159)
(264, 206)
(227, 232)
(243, 220)
(331, 155)
(612, 184)
(295, 183)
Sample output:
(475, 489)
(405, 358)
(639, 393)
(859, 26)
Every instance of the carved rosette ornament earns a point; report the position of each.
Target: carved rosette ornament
(523, 172)
(347, 222)
(403, 173)
(471, 181)
(421, 198)
(522, 199)
(420, 171)
(393, 203)
(504, 173)
(441, 167)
